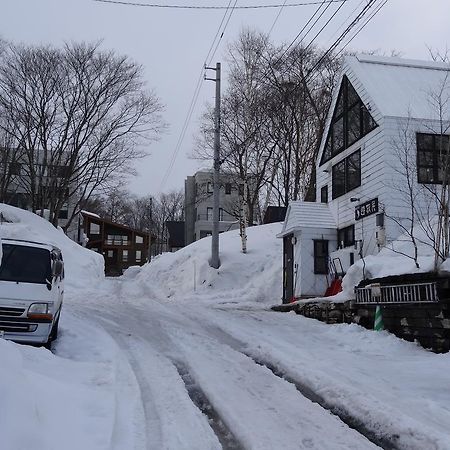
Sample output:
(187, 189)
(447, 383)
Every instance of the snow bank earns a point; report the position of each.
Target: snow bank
(82, 266)
(394, 259)
(251, 277)
(68, 400)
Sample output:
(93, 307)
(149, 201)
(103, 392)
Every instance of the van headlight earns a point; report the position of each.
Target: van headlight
(39, 311)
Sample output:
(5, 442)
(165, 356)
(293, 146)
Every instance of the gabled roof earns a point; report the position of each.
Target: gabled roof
(307, 215)
(399, 87)
(391, 87)
(97, 219)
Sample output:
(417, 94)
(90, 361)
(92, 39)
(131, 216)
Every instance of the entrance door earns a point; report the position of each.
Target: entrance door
(288, 268)
(112, 267)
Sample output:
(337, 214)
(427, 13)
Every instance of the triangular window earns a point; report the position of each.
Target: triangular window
(351, 121)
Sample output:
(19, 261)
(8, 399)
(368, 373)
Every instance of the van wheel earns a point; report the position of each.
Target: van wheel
(54, 332)
(48, 344)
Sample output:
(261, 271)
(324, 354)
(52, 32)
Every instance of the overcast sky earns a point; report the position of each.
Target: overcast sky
(172, 45)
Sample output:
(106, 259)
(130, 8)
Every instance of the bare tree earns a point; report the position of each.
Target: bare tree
(299, 85)
(273, 117)
(440, 103)
(167, 207)
(79, 114)
(425, 193)
(10, 167)
(243, 142)
(406, 185)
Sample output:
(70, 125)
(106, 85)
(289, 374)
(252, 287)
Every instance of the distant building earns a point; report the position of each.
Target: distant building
(15, 186)
(120, 245)
(199, 204)
(175, 235)
(274, 214)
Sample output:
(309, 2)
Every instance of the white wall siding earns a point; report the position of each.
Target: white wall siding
(308, 283)
(372, 176)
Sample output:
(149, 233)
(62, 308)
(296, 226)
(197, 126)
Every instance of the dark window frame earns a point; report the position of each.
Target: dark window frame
(15, 168)
(364, 122)
(346, 237)
(321, 255)
(435, 155)
(347, 183)
(63, 213)
(227, 188)
(324, 194)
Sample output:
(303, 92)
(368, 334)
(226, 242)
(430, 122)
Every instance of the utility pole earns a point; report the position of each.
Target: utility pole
(215, 261)
(149, 256)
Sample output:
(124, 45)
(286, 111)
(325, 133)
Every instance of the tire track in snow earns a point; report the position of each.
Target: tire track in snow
(201, 401)
(305, 391)
(153, 431)
(196, 394)
(134, 346)
(352, 422)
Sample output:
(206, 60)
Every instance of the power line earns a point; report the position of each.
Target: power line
(310, 28)
(158, 5)
(197, 93)
(322, 3)
(323, 27)
(276, 18)
(217, 33)
(199, 82)
(223, 31)
(309, 77)
(364, 24)
(355, 22)
(347, 18)
(304, 27)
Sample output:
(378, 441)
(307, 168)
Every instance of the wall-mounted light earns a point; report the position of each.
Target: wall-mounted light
(354, 199)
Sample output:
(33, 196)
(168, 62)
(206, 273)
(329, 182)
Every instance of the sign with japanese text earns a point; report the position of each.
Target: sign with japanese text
(366, 209)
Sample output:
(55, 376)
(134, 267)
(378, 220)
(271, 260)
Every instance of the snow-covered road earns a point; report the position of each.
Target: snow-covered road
(177, 355)
(199, 389)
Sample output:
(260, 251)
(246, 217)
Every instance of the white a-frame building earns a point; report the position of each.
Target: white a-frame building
(381, 151)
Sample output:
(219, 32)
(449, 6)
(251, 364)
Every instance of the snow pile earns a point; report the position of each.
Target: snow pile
(82, 266)
(53, 402)
(251, 277)
(397, 258)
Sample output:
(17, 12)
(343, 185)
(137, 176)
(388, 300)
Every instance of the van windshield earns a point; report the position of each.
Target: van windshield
(25, 264)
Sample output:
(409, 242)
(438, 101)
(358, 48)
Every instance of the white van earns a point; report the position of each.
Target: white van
(31, 291)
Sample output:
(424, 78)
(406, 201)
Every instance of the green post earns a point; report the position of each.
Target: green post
(378, 325)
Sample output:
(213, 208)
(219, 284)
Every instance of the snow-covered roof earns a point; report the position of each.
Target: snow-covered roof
(88, 213)
(27, 243)
(399, 87)
(307, 215)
